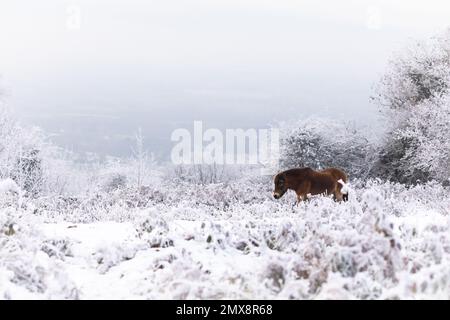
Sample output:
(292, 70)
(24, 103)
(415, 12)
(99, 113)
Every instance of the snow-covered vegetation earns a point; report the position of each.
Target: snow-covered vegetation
(415, 98)
(133, 228)
(229, 241)
(321, 143)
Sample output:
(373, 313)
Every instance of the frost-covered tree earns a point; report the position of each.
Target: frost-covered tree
(319, 143)
(20, 157)
(419, 73)
(142, 161)
(35, 164)
(142, 164)
(28, 171)
(414, 97)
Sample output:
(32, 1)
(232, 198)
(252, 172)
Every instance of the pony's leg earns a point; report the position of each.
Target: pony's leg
(338, 196)
(300, 198)
(302, 192)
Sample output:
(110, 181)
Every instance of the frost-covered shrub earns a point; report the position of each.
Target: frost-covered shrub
(154, 230)
(109, 256)
(59, 248)
(180, 275)
(417, 74)
(223, 197)
(19, 153)
(201, 174)
(28, 172)
(275, 276)
(36, 165)
(414, 96)
(10, 194)
(27, 268)
(281, 238)
(419, 149)
(320, 143)
(115, 182)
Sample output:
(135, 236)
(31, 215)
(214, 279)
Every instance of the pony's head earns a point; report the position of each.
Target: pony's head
(280, 185)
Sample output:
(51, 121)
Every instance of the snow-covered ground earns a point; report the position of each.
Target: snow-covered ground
(387, 242)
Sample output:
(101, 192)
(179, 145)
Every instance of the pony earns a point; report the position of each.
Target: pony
(306, 181)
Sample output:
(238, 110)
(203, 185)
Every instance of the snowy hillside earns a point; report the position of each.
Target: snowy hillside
(387, 242)
(153, 151)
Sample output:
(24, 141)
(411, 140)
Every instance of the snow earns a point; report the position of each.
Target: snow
(8, 185)
(132, 229)
(387, 242)
(124, 278)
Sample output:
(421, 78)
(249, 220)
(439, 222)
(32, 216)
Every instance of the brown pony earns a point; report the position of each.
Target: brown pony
(305, 181)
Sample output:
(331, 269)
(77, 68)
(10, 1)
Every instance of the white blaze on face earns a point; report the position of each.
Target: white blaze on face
(345, 187)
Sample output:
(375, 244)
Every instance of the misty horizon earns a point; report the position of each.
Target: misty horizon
(232, 65)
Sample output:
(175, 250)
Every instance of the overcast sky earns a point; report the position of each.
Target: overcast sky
(92, 72)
